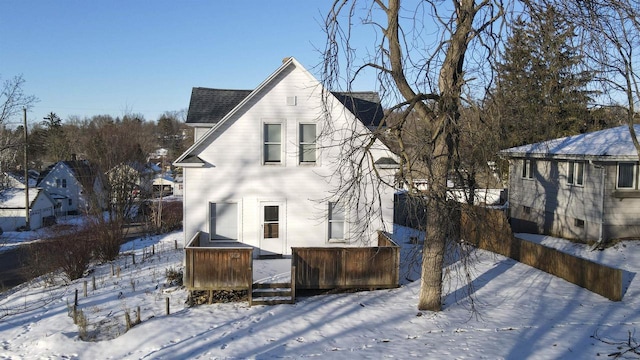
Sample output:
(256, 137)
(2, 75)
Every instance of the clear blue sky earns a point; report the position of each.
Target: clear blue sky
(112, 57)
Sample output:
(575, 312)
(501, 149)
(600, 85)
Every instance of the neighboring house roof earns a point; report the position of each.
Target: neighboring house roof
(610, 144)
(82, 170)
(14, 198)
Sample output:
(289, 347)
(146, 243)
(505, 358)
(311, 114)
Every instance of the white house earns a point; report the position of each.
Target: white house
(75, 185)
(582, 187)
(12, 208)
(267, 163)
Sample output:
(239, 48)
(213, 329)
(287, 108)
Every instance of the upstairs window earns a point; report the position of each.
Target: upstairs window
(57, 183)
(626, 176)
(272, 143)
(307, 144)
(64, 183)
(575, 174)
(527, 169)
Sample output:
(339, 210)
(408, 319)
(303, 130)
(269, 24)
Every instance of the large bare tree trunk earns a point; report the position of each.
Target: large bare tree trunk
(436, 108)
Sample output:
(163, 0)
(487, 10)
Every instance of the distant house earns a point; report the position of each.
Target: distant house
(261, 173)
(178, 186)
(75, 185)
(134, 175)
(16, 180)
(12, 208)
(163, 184)
(583, 187)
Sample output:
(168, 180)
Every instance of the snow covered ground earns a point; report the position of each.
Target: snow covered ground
(521, 313)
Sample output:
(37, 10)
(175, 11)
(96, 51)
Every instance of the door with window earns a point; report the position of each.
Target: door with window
(272, 233)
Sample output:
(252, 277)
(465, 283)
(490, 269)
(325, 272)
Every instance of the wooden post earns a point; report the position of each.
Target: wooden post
(93, 283)
(175, 244)
(127, 320)
(138, 316)
(133, 257)
(112, 270)
(293, 284)
(118, 271)
(84, 288)
(167, 306)
(75, 300)
(153, 249)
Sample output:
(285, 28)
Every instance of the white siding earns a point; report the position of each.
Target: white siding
(233, 170)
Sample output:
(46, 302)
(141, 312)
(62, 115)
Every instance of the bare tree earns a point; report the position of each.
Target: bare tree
(610, 32)
(13, 99)
(421, 64)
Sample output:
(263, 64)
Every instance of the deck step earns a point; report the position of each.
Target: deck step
(272, 294)
(271, 285)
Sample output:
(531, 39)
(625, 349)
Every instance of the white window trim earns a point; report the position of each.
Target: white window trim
(299, 143)
(575, 165)
(283, 132)
(634, 184)
(345, 227)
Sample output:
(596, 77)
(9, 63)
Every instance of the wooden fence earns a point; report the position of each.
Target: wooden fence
(347, 267)
(490, 230)
(227, 266)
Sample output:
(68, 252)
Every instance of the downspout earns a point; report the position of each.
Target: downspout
(603, 171)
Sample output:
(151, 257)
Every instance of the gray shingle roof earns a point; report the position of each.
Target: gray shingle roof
(208, 106)
(365, 105)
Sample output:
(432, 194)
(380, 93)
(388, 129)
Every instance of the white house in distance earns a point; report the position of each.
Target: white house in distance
(263, 168)
(12, 208)
(582, 187)
(73, 184)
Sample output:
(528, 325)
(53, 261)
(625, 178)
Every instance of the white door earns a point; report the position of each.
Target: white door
(272, 232)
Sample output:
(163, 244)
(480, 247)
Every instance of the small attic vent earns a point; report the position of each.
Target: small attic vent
(292, 100)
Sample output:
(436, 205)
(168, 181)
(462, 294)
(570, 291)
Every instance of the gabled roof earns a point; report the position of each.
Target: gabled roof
(610, 144)
(208, 106)
(364, 105)
(84, 172)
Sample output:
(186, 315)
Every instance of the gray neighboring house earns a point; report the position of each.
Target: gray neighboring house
(582, 187)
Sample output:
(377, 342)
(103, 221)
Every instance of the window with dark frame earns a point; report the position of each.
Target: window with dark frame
(271, 222)
(527, 168)
(626, 176)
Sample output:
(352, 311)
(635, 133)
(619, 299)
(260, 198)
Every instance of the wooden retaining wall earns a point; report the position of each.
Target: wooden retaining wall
(489, 230)
(228, 267)
(348, 267)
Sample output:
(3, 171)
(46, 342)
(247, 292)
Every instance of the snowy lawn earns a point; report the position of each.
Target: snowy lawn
(522, 313)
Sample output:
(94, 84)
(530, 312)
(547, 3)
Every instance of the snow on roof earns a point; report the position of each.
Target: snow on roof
(611, 143)
(14, 198)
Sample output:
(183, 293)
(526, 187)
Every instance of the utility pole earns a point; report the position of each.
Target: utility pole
(26, 173)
